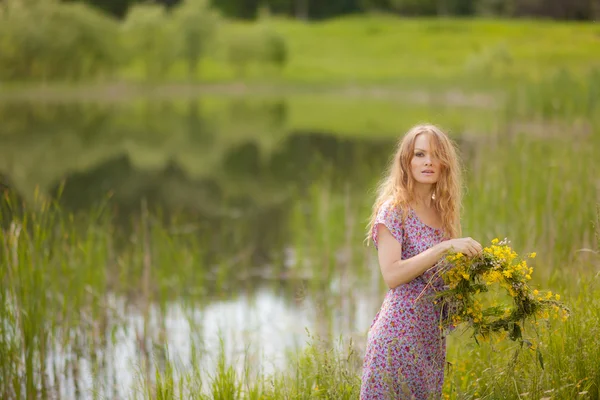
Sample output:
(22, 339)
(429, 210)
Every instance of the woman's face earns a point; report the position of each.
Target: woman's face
(424, 166)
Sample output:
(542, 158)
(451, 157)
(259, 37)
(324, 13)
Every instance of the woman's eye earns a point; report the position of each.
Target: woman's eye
(419, 154)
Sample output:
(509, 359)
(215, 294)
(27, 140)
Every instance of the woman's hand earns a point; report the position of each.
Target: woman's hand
(467, 246)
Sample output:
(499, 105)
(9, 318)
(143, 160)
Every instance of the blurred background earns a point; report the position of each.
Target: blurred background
(186, 187)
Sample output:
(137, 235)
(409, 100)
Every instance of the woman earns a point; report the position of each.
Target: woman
(415, 223)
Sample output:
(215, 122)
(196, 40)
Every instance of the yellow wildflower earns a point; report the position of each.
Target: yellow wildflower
(533, 346)
(501, 336)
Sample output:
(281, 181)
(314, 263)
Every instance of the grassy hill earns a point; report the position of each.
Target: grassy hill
(375, 50)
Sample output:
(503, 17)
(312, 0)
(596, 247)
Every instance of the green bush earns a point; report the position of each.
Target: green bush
(274, 48)
(490, 62)
(150, 37)
(45, 40)
(561, 96)
(197, 24)
(261, 46)
(415, 7)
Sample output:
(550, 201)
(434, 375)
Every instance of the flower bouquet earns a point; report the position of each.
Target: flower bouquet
(496, 267)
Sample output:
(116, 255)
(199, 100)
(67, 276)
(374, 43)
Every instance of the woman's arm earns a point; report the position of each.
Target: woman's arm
(396, 271)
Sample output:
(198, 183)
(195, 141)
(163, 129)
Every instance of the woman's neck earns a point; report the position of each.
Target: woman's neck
(423, 196)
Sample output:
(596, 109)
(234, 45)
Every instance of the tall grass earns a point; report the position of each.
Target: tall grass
(568, 367)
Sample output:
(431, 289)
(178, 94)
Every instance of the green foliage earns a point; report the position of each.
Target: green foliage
(151, 37)
(197, 24)
(569, 369)
(275, 49)
(429, 52)
(560, 96)
(320, 371)
(162, 46)
(225, 384)
(319, 9)
(259, 46)
(415, 7)
(316, 9)
(490, 62)
(45, 40)
(495, 7)
(241, 51)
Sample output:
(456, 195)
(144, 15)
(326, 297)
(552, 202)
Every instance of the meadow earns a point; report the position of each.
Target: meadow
(378, 51)
(426, 53)
(266, 181)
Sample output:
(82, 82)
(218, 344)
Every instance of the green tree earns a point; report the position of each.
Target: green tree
(197, 24)
(246, 9)
(45, 39)
(415, 7)
(262, 47)
(315, 9)
(119, 8)
(150, 37)
(274, 50)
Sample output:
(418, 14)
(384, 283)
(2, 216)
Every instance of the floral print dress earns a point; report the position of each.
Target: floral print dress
(406, 351)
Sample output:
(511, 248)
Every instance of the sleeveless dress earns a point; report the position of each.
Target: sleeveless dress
(406, 351)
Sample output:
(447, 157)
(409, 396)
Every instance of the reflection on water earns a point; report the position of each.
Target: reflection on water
(191, 156)
(259, 331)
(235, 174)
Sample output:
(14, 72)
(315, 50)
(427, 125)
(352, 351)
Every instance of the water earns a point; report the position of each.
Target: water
(233, 173)
(262, 327)
(276, 205)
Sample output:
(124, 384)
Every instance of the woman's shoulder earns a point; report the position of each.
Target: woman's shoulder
(390, 209)
(389, 214)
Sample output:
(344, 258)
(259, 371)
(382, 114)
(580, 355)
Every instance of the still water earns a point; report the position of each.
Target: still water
(261, 331)
(234, 171)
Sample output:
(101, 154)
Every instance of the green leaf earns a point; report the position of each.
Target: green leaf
(515, 332)
(540, 358)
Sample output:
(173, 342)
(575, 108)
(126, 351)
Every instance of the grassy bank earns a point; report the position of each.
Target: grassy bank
(472, 53)
(469, 54)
